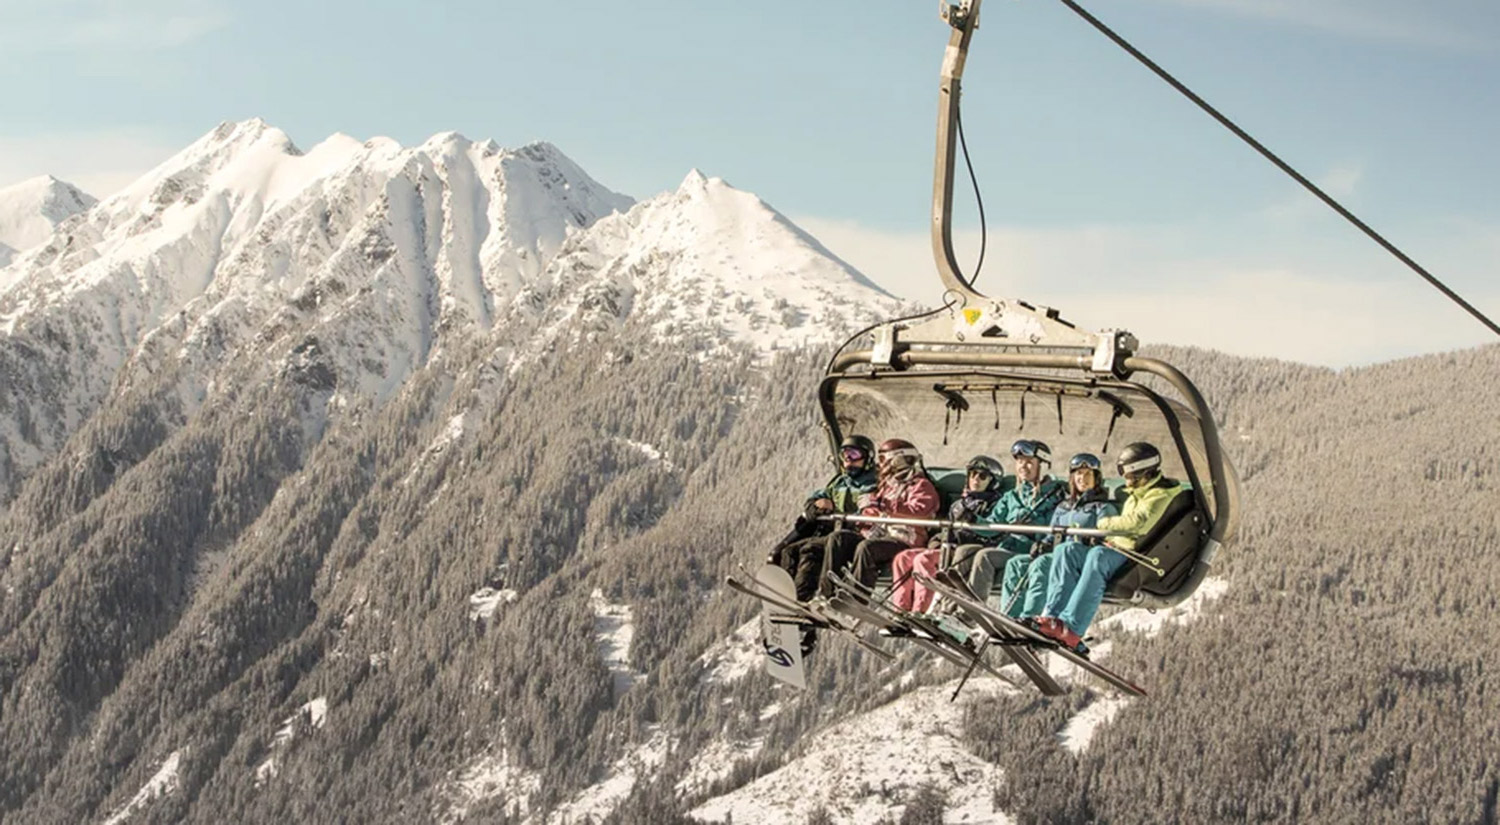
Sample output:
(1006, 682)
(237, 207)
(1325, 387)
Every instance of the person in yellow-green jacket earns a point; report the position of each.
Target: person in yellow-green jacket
(1080, 572)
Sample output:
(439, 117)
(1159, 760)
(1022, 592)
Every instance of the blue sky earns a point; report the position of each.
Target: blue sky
(1107, 194)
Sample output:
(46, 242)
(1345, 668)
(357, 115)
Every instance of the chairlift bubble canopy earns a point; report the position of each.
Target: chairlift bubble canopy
(979, 373)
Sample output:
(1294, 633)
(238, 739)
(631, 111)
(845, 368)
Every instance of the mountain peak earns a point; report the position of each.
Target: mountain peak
(32, 209)
(695, 181)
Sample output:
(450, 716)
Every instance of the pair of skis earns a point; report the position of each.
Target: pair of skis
(953, 588)
(784, 619)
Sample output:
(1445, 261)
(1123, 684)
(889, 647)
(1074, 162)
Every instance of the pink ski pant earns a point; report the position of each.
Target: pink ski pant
(908, 595)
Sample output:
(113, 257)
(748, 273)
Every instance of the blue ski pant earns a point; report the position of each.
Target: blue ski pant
(1033, 574)
(1080, 573)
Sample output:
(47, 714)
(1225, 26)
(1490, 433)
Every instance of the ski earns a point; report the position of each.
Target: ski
(1018, 648)
(855, 600)
(1033, 638)
(782, 609)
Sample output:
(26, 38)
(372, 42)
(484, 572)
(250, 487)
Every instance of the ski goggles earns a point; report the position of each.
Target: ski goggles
(1138, 467)
(852, 454)
(1026, 448)
(1082, 460)
(981, 472)
(907, 453)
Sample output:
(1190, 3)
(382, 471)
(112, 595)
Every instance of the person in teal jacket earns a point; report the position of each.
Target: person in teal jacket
(1027, 577)
(1081, 572)
(1031, 501)
(801, 551)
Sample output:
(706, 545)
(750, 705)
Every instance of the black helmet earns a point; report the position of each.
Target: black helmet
(1087, 461)
(987, 465)
(865, 446)
(1139, 457)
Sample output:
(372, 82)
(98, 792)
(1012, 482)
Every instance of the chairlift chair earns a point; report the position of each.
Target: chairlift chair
(979, 373)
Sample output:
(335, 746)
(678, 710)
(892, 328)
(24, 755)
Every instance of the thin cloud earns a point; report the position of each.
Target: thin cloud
(80, 25)
(1341, 183)
(100, 163)
(1411, 24)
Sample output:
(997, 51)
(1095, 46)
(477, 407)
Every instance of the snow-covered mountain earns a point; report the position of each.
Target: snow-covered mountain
(30, 211)
(354, 263)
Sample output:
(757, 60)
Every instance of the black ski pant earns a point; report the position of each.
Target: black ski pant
(874, 555)
(803, 559)
(840, 547)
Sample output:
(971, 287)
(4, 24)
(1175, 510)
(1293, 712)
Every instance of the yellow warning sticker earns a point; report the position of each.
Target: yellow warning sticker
(972, 316)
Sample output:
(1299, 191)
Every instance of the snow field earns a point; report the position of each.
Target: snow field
(615, 629)
(161, 784)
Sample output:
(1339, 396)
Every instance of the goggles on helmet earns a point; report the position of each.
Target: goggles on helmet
(852, 453)
(1143, 466)
(1088, 460)
(899, 460)
(1026, 448)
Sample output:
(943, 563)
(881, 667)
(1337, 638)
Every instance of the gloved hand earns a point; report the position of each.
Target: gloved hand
(1039, 548)
(960, 511)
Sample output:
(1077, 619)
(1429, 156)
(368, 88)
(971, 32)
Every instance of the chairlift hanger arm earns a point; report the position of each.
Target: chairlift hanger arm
(963, 17)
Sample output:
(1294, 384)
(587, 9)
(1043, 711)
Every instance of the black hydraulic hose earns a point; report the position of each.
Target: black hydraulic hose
(958, 119)
(1281, 164)
(913, 317)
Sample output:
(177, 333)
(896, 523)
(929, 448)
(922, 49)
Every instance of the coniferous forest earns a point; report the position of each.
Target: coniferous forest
(187, 587)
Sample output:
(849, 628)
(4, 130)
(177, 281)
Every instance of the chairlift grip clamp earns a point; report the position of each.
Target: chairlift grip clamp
(1111, 348)
(885, 346)
(957, 14)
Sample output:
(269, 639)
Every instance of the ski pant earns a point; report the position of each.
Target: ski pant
(1080, 573)
(841, 546)
(874, 555)
(906, 593)
(804, 560)
(988, 565)
(1032, 574)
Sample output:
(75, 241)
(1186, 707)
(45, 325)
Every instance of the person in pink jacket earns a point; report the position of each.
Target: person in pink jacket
(904, 491)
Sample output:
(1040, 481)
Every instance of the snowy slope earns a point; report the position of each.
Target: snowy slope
(869, 766)
(30, 211)
(351, 265)
(866, 766)
(708, 264)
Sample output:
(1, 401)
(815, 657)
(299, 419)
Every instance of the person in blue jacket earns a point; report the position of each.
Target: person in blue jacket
(1082, 572)
(1031, 501)
(801, 551)
(1027, 577)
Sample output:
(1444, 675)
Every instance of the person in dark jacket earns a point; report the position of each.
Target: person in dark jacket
(1027, 577)
(801, 551)
(981, 491)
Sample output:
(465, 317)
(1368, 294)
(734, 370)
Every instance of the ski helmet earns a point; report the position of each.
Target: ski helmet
(899, 456)
(1087, 461)
(1138, 457)
(1029, 448)
(865, 446)
(988, 466)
